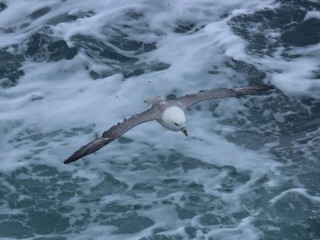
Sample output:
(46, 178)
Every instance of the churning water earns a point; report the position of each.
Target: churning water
(249, 169)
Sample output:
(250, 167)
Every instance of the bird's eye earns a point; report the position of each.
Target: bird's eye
(176, 124)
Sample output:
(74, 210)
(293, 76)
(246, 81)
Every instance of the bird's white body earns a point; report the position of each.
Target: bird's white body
(173, 118)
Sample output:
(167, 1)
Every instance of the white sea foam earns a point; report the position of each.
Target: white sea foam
(312, 14)
(301, 191)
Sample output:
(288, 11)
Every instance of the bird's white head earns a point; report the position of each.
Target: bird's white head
(174, 119)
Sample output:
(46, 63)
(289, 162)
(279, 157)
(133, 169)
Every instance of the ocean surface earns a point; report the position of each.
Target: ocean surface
(250, 167)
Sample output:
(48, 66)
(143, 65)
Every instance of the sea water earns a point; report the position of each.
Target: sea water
(249, 168)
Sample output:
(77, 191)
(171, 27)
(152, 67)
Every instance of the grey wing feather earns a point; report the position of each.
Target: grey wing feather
(114, 132)
(191, 99)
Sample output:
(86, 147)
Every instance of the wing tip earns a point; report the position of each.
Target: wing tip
(265, 87)
(91, 147)
(69, 160)
(74, 157)
(247, 90)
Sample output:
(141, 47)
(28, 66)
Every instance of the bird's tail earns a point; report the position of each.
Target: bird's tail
(91, 147)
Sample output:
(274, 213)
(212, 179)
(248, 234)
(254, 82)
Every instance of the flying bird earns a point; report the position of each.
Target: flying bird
(169, 113)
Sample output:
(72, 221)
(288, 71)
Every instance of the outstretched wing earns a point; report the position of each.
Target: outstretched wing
(114, 132)
(191, 99)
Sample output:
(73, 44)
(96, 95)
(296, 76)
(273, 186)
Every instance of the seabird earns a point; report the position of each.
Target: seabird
(169, 113)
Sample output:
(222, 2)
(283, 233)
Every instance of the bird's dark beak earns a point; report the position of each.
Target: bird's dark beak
(184, 130)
